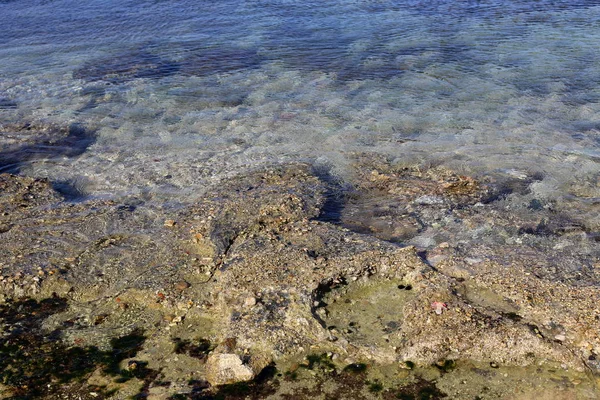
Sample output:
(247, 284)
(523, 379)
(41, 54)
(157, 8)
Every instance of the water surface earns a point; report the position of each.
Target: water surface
(181, 94)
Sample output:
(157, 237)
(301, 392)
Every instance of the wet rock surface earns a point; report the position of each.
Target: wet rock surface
(39, 141)
(424, 279)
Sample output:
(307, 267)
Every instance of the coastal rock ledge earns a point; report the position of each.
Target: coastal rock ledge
(399, 280)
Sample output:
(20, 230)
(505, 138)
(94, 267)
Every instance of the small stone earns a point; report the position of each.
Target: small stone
(182, 285)
(560, 338)
(229, 344)
(168, 317)
(473, 260)
(227, 368)
(439, 307)
(494, 365)
(429, 200)
(249, 302)
(169, 223)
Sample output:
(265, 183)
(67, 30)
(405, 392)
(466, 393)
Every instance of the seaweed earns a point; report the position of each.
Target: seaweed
(320, 361)
(375, 386)
(34, 363)
(356, 368)
(419, 390)
(198, 348)
(446, 365)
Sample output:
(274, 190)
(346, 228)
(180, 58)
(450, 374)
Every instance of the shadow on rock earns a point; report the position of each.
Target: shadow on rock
(263, 385)
(27, 143)
(36, 364)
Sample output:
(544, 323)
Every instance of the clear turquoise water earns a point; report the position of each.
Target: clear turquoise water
(183, 93)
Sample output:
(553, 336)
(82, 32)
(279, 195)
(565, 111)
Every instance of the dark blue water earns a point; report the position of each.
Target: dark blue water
(313, 35)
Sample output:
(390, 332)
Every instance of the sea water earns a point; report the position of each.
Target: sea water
(182, 94)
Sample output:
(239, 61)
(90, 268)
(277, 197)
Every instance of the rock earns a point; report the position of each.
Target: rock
(560, 338)
(278, 273)
(125, 67)
(182, 285)
(429, 200)
(222, 369)
(249, 302)
(168, 317)
(439, 307)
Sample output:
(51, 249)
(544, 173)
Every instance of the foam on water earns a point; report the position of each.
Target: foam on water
(182, 94)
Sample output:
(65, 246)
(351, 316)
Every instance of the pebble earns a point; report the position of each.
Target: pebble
(182, 285)
(439, 307)
(168, 317)
(169, 223)
(429, 200)
(249, 302)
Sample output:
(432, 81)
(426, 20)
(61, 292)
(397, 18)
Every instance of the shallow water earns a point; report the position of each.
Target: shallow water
(182, 94)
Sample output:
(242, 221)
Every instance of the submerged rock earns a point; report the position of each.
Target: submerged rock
(124, 67)
(218, 60)
(30, 142)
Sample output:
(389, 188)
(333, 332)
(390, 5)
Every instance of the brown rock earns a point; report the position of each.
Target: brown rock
(182, 285)
(222, 369)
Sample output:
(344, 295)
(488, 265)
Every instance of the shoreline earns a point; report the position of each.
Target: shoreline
(267, 271)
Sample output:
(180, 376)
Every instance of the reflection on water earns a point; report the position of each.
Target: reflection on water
(195, 91)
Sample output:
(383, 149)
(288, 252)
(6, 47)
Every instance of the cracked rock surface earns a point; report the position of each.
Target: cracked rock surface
(408, 267)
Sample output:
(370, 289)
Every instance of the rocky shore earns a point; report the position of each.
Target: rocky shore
(284, 283)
